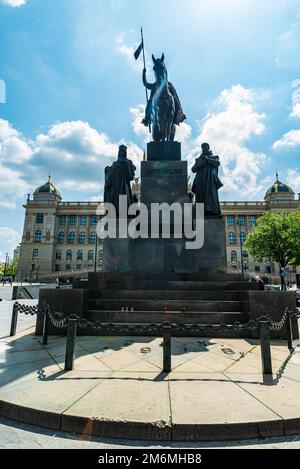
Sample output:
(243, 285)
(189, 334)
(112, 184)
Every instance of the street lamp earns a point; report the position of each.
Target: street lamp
(240, 224)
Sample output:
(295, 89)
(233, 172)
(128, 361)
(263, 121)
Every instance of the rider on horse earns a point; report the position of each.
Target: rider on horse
(179, 116)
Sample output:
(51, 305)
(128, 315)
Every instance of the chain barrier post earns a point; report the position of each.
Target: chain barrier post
(14, 320)
(46, 326)
(289, 331)
(70, 344)
(167, 347)
(265, 346)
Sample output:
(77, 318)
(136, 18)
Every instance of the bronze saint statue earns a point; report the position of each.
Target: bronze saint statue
(163, 109)
(118, 178)
(207, 183)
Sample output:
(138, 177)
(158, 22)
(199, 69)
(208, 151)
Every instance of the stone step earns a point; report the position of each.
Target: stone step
(170, 276)
(171, 305)
(139, 284)
(189, 317)
(205, 295)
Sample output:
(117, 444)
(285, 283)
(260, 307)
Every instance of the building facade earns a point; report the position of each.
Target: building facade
(60, 237)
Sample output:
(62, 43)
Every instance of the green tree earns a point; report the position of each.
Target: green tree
(276, 236)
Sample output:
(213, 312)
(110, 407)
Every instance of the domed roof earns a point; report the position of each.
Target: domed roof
(279, 188)
(47, 188)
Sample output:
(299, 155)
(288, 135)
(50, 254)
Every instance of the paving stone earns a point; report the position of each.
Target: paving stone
(206, 404)
(135, 411)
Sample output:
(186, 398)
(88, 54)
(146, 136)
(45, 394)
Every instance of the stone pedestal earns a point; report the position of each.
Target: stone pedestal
(164, 179)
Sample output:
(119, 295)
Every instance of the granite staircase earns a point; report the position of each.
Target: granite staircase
(178, 298)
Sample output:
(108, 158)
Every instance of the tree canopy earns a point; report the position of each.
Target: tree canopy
(276, 236)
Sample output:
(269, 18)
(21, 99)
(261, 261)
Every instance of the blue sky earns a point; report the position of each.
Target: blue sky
(74, 92)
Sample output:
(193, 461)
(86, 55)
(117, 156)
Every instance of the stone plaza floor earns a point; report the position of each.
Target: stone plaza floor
(117, 389)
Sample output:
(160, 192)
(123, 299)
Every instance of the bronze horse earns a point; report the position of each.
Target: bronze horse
(163, 109)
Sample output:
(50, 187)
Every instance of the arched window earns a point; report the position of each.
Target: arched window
(71, 237)
(92, 237)
(28, 236)
(233, 256)
(61, 237)
(80, 255)
(90, 255)
(231, 237)
(38, 236)
(35, 254)
(81, 237)
(243, 237)
(58, 255)
(69, 255)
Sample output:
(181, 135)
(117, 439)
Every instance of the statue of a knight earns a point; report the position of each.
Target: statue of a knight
(149, 118)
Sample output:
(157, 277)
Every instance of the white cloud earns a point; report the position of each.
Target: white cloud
(288, 47)
(127, 51)
(12, 3)
(227, 131)
(12, 187)
(10, 239)
(13, 147)
(293, 179)
(74, 152)
(290, 139)
(296, 99)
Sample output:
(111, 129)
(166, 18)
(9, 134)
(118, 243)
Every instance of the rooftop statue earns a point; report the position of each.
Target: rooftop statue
(207, 183)
(118, 178)
(163, 109)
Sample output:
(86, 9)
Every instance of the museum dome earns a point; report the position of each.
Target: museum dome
(47, 188)
(279, 189)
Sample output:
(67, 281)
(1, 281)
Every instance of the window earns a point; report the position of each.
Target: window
(252, 220)
(243, 237)
(78, 267)
(69, 255)
(61, 237)
(230, 220)
(58, 255)
(39, 218)
(92, 237)
(100, 255)
(57, 268)
(48, 236)
(80, 255)
(269, 269)
(62, 220)
(28, 236)
(257, 268)
(245, 255)
(35, 254)
(33, 267)
(73, 220)
(90, 255)
(82, 237)
(232, 238)
(83, 220)
(241, 220)
(93, 220)
(38, 236)
(71, 237)
(233, 256)
(68, 267)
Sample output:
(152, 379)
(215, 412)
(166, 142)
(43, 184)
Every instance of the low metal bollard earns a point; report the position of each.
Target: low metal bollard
(46, 326)
(289, 331)
(265, 345)
(70, 344)
(14, 320)
(167, 347)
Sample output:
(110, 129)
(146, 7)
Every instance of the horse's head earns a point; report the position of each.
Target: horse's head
(160, 69)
